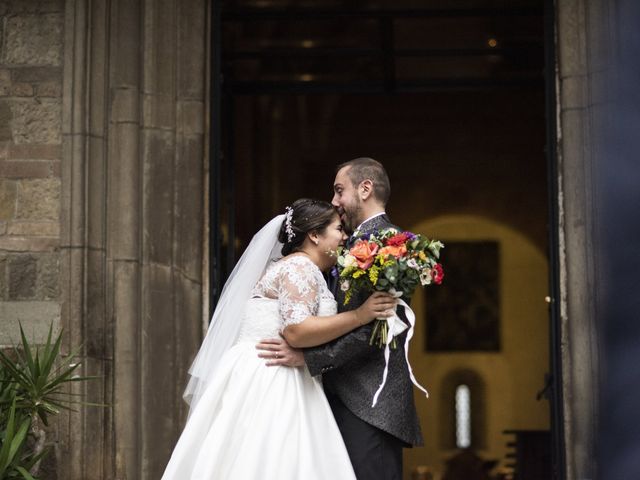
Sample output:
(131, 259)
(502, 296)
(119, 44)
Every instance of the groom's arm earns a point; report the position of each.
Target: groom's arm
(339, 352)
(343, 350)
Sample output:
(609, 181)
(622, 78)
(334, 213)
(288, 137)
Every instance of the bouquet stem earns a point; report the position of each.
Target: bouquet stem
(380, 334)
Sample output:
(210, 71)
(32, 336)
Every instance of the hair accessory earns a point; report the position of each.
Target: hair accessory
(287, 224)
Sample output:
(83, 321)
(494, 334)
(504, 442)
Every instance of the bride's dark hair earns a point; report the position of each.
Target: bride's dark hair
(307, 215)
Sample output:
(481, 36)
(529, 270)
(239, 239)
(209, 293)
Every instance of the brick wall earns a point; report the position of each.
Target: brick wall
(31, 45)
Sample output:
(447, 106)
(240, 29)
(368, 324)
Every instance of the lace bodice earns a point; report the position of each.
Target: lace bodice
(291, 290)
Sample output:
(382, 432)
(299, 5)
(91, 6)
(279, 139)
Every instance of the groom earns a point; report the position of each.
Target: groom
(352, 369)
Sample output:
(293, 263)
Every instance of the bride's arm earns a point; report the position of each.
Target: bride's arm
(299, 286)
(315, 330)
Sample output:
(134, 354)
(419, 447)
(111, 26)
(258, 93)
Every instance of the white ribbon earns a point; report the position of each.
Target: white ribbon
(396, 327)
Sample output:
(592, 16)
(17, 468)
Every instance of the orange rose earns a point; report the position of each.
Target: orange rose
(394, 251)
(364, 252)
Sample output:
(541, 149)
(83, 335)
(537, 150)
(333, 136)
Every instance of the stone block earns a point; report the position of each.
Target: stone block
(56, 168)
(35, 318)
(159, 111)
(49, 89)
(158, 194)
(14, 7)
(37, 74)
(34, 229)
(5, 122)
(191, 118)
(5, 82)
(39, 199)
(35, 152)
(126, 105)
(22, 90)
(7, 199)
(25, 169)
(23, 273)
(4, 283)
(36, 122)
(48, 286)
(28, 244)
(192, 27)
(188, 205)
(34, 39)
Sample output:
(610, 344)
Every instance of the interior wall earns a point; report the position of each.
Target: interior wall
(512, 376)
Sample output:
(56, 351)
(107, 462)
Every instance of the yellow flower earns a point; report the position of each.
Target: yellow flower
(373, 274)
(359, 273)
(422, 256)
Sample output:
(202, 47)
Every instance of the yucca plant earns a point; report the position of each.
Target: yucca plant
(32, 388)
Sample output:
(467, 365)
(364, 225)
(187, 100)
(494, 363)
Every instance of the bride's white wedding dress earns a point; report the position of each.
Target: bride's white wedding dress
(259, 422)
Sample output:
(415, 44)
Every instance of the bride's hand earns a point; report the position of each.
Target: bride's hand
(378, 305)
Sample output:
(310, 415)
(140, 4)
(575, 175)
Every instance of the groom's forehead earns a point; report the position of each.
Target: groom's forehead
(342, 178)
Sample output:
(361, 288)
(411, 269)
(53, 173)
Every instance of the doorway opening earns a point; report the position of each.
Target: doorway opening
(457, 102)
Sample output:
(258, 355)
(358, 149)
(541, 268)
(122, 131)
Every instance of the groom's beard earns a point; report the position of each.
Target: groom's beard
(352, 216)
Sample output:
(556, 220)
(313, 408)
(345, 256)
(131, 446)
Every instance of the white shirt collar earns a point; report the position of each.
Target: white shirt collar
(357, 230)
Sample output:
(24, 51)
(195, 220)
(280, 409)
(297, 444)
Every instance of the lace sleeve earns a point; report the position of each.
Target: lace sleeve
(298, 292)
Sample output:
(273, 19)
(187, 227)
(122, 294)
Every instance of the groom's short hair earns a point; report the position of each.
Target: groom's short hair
(365, 168)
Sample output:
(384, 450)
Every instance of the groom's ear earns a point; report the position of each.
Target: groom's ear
(365, 189)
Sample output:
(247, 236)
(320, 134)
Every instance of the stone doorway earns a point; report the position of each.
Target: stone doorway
(304, 91)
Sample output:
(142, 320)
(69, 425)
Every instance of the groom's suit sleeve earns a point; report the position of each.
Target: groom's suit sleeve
(338, 352)
(342, 350)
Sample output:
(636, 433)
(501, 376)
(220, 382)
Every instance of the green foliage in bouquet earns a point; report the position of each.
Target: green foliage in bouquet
(32, 388)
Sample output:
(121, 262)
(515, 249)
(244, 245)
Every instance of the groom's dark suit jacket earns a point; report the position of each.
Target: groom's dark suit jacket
(352, 370)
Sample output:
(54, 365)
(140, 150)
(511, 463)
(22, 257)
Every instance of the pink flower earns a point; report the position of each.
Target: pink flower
(364, 253)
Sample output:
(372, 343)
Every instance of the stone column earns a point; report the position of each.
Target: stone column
(583, 28)
(133, 215)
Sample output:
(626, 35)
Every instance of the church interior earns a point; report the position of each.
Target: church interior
(452, 98)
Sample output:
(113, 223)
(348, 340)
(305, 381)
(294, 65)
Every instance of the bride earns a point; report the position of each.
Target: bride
(249, 421)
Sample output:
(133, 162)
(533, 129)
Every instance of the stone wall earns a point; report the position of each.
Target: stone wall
(31, 45)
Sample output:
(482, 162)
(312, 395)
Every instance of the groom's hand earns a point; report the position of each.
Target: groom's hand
(278, 352)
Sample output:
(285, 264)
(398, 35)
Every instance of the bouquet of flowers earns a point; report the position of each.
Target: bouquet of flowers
(389, 261)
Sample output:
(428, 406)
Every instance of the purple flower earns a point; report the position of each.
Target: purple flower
(365, 236)
(334, 272)
(410, 236)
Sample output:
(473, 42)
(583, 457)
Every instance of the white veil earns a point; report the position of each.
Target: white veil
(227, 318)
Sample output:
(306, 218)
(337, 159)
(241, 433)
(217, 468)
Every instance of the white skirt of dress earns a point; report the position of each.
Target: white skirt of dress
(259, 422)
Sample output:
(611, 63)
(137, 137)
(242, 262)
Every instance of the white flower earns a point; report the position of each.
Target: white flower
(425, 276)
(411, 263)
(344, 285)
(350, 261)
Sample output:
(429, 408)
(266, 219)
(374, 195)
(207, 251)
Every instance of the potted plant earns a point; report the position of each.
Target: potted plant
(33, 387)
